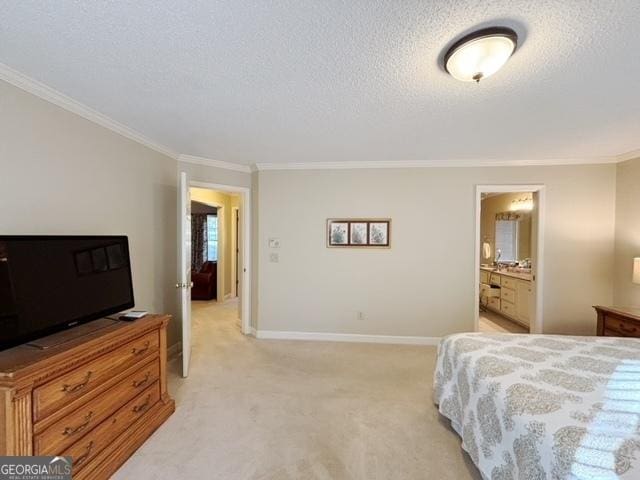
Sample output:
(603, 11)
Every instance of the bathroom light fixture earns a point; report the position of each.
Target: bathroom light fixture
(636, 270)
(480, 54)
(521, 204)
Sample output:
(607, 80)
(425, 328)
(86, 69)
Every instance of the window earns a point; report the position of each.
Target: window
(507, 240)
(212, 238)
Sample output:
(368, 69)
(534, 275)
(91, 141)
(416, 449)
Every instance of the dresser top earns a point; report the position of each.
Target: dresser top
(85, 339)
(630, 312)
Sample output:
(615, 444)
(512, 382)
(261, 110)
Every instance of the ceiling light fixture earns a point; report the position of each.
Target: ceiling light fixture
(480, 54)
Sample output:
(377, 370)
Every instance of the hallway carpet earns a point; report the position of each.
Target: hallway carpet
(273, 409)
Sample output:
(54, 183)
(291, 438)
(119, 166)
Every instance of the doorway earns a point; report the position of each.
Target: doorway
(215, 247)
(217, 238)
(509, 258)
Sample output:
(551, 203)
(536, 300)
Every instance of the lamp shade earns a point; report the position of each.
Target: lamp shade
(636, 270)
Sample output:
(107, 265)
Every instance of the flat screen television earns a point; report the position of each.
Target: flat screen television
(50, 283)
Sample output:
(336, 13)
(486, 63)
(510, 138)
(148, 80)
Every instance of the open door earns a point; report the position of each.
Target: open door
(184, 267)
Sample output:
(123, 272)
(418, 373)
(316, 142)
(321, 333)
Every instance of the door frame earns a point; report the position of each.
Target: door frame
(536, 324)
(235, 261)
(245, 195)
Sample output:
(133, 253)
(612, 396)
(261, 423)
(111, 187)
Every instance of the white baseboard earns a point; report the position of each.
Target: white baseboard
(253, 332)
(174, 351)
(345, 337)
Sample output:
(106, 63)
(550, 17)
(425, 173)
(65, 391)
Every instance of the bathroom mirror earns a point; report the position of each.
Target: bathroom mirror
(512, 236)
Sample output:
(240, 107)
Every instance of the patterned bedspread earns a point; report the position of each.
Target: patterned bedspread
(543, 406)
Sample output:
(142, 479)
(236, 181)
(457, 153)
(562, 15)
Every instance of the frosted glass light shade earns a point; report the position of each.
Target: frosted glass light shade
(480, 54)
(636, 270)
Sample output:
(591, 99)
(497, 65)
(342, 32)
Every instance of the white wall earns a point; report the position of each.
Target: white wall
(62, 174)
(207, 174)
(424, 284)
(627, 232)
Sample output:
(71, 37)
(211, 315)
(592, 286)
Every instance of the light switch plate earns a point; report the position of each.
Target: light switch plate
(274, 243)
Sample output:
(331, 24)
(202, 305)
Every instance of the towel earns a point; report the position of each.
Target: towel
(486, 250)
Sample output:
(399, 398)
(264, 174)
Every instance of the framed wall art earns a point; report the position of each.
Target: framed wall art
(359, 232)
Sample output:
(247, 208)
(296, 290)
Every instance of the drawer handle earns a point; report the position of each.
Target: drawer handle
(79, 386)
(136, 351)
(142, 406)
(85, 455)
(627, 330)
(79, 428)
(139, 383)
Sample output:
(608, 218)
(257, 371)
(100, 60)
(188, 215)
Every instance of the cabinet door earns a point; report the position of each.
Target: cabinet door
(524, 301)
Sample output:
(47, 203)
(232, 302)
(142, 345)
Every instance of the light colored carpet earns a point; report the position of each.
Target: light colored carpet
(272, 409)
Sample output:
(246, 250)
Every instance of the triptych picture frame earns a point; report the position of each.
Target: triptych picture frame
(359, 232)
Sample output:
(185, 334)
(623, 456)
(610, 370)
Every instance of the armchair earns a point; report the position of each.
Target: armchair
(205, 282)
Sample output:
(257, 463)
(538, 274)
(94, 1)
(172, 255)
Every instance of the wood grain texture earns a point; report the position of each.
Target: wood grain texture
(62, 390)
(618, 321)
(96, 397)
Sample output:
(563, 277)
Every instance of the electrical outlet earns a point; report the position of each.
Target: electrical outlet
(360, 315)
(274, 258)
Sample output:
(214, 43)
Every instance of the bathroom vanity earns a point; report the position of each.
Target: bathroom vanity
(507, 293)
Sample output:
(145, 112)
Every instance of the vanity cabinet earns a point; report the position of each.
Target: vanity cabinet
(525, 296)
(513, 299)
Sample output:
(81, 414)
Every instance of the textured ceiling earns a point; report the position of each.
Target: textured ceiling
(331, 81)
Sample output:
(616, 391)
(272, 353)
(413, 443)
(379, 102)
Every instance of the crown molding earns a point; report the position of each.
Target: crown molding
(209, 162)
(432, 164)
(47, 93)
(51, 95)
(630, 155)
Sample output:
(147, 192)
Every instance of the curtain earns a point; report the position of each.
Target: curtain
(198, 240)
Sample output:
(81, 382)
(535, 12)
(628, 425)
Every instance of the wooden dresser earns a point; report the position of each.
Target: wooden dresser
(96, 397)
(618, 321)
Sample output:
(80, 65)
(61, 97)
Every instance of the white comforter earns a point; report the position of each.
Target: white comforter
(543, 406)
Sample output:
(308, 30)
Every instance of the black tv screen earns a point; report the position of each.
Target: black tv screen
(49, 283)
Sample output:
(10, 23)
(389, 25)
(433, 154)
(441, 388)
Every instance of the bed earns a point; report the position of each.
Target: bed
(543, 406)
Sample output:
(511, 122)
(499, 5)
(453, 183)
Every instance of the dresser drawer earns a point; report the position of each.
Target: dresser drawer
(508, 294)
(508, 308)
(484, 276)
(494, 302)
(509, 282)
(100, 437)
(82, 420)
(494, 279)
(621, 327)
(52, 396)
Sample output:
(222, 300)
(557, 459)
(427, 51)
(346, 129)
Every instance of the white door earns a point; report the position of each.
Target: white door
(184, 267)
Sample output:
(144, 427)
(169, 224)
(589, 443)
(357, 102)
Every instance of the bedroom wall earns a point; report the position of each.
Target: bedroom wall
(424, 284)
(627, 232)
(62, 174)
